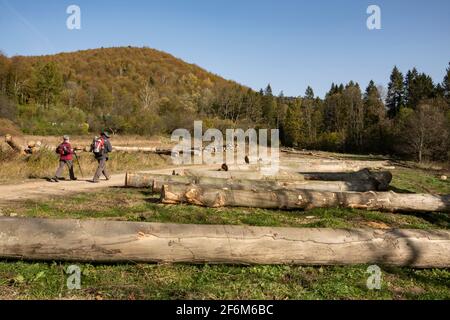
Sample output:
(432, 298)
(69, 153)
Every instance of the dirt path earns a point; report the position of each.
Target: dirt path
(44, 189)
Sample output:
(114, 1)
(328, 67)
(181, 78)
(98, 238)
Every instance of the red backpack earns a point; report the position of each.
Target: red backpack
(99, 146)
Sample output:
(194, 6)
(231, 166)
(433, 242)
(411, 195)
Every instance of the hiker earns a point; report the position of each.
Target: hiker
(65, 152)
(101, 147)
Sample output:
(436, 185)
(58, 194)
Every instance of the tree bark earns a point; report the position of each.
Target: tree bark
(304, 199)
(119, 241)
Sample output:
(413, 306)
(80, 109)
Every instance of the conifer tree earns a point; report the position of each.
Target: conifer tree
(395, 95)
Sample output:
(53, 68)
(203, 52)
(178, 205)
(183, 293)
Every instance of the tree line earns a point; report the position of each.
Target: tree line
(145, 91)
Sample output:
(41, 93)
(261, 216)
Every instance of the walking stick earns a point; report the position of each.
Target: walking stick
(79, 166)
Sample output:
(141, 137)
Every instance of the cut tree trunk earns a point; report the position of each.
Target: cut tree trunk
(119, 241)
(246, 175)
(149, 150)
(314, 165)
(13, 144)
(361, 182)
(304, 199)
(268, 185)
(143, 149)
(142, 180)
(382, 179)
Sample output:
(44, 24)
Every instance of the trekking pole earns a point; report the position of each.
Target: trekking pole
(79, 166)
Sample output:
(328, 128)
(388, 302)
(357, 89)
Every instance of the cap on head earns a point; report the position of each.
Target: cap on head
(66, 138)
(104, 133)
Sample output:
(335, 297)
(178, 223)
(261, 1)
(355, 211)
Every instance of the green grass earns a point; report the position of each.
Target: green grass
(20, 280)
(28, 280)
(418, 181)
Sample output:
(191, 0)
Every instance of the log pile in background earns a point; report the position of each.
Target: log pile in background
(120, 241)
(303, 199)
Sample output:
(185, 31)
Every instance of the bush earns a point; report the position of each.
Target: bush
(55, 120)
(331, 141)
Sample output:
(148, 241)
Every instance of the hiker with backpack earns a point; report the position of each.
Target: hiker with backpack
(101, 146)
(66, 153)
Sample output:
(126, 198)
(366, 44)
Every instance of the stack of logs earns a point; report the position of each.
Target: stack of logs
(32, 147)
(364, 189)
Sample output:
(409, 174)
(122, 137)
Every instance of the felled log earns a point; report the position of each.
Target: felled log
(163, 151)
(120, 241)
(304, 199)
(34, 144)
(323, 165)
(264, 186)
(155, 182)
(143, 149)
(249, 175)
(141, 180)
(13, 144)
(381, 179)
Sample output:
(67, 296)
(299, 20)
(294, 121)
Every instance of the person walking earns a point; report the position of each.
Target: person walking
(66, 153)
(101, 146)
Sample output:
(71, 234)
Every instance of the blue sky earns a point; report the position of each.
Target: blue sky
(291, 44)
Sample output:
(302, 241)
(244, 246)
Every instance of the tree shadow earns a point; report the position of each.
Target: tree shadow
(408, 274)
(439, 219)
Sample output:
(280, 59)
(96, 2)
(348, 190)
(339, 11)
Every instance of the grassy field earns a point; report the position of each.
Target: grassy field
(27, 280)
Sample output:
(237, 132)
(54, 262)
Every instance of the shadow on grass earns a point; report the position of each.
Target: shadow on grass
(436, 218)
(409, 273)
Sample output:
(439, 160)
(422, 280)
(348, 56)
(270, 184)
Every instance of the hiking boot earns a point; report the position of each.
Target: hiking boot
(54, 179)
(94, 181)
(74, 179)
(107, 177)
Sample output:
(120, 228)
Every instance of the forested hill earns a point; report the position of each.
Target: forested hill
(130, 90)
(145, 91)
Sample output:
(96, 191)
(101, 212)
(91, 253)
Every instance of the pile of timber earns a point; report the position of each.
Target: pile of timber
(176, 193)
(361, 181)
(120, 241)
(35, 146)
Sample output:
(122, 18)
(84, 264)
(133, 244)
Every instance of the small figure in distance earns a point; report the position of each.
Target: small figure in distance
(101, 147)
(65, 152)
